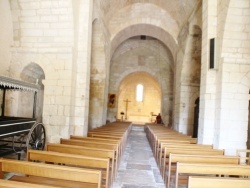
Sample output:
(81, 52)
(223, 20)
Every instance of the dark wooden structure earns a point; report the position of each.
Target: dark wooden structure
(19, 133)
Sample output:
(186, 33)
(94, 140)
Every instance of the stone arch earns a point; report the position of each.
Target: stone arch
(229, 34)
(129, 72)
(33, 73)
(139, 111)
(162, 76)
(156, 47)
(191, 68)
(144, 29)
(188, 77)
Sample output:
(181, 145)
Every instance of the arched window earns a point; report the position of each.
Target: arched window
(139, 93)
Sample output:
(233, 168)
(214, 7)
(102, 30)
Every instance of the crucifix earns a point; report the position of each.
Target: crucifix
(126, 115)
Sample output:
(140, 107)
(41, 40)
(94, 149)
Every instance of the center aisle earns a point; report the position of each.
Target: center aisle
(138, 168)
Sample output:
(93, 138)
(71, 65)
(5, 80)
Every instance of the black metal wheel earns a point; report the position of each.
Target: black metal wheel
(36, 138)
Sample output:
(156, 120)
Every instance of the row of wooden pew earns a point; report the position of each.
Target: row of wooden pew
(89, 162)
(184, 162)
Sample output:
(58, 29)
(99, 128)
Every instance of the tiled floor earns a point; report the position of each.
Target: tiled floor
(138, 168)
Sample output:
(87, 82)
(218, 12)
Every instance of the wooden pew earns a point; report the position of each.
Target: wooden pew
(50, 174)
(209, 169)
(109, 135)
(15, 184)
(85, 151)
(168, 150)
(160, 154)
(100, 140)
(244, 155)
(167, 140)
(205, 159)
(96, 145)
(217, 182)
(102, 164)
(51, 181)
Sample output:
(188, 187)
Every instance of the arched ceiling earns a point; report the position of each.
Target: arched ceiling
(161, 19)
(144, 29)
(154, 46)
(178, 9)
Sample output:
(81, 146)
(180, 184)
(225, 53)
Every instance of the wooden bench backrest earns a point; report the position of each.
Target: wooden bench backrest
(14, 184)
(71, 159)
(89, 144)
(180, 145)
(192, 151)
(198, 151)
(105, 136)
(65, 158)
(86, 151)
(207, 159)
(192, 140)
(210, 169)
(50, 171)
(216, 182)
(92, 152)
(106, 140)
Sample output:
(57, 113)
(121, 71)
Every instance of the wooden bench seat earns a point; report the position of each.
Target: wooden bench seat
(57, 173)
(209, 169)
(217, 182)
(205, 159)
(14, 184)
(85, 151)
(102, 164)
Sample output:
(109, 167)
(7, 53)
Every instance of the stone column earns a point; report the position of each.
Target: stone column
(231, 124)
(82, 11)
(208, 76)
(98, 77)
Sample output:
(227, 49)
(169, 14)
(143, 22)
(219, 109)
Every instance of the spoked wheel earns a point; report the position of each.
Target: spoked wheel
(18, 143)
(36, 138)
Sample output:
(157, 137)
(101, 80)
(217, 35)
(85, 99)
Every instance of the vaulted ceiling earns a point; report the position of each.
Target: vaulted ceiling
(179, 10)
(161, 19)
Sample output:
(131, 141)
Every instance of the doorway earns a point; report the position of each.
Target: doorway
(196, 118)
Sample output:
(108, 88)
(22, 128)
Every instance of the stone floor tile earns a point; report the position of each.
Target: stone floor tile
(138, 168)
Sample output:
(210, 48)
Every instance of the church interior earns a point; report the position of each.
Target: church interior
(126, 75)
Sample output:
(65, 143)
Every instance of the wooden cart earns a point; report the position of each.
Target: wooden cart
(18, 134)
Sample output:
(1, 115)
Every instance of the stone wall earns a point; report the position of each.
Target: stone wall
(139, 111)
(224, 91)
(6, 37)
(55, 36)
(148, 56)
(187, 71)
